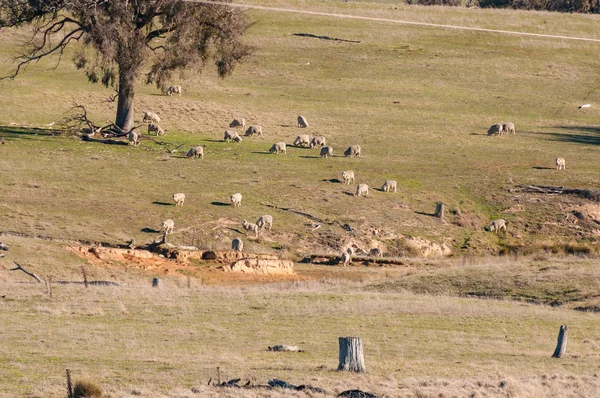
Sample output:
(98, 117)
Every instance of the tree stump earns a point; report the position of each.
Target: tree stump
(439, 210)
(155, 282)
(351, 355)
(561, 344)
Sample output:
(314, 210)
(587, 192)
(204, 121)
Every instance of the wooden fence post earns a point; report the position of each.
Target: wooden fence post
(439, 210)
(155, 282)
(351, 354)
(561, 344)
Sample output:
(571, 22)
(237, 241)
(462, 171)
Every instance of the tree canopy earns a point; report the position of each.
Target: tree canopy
(119, 41)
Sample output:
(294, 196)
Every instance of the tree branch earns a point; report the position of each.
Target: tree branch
(20, 268)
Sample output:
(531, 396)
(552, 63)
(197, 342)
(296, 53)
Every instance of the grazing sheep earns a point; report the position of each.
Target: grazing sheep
(508, 128)
(232, 136)
(179, 198)
(560, 164)
(302, 140)
(495, 129)
(362, 190)
(388, 186)
(352, 151)
(151, 117)
(302, 123)
(196, 152)
(167, 226)
(237, 245)
(241, 122)
(318, 141)
(252, 130)
(174, 90)
(133, 137)
(497, 225)
(236, 199)
(376, 252)
(348, 176)
(250, 227)
(345, 258)
(155, 128)
(278, 147)
(265, 221)
(326, 152)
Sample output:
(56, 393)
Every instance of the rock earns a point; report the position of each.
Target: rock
(260, 266)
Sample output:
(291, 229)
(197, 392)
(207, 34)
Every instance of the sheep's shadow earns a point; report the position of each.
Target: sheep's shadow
(150, 230)
(220, 204)
(377, 189)
(236, 230)
(286, 125)
(332, 180)
(262, 153)
(163, 203)
(213, 140)
(309, 157)
(542, 168)
(349, 193)
(300, 146)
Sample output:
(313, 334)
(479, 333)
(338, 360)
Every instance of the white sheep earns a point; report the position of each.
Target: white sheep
(133, 137)
(352, 151)
(497, 225)
(362, 190)
(278, 147)
(265, 222)
(151, 117)
(167, 226)
(236, 199)
(237, 245)
(174, 90)
(560, 164)
(155, 128)
(302, 140)
(585, 106)
(508, 128)
(348, 176)
(241, 122)
(179, 198)
(495, 129)
(326, 152)
(248, 226)
(196, 152)
(254, 130)
(318, 141)
(389, 185)
(302, 123)
(232, 136)
(376, 252)
(345, 258)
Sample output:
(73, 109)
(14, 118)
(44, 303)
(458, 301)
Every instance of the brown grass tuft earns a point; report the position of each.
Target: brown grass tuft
(86, 389)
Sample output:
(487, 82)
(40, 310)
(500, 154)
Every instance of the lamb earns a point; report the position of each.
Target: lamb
(179, 198)
(236, 199)
(241, 122)
(151, 117)
(348, 176)
(265, 221)
(232, 136)
(174, 90)
(376, 252)
(302, 123)
(167, 226)
(389, 185)
(252, 130)
(302, 140)
(278, 147)
(345, 258)
(134, 138)
(497, 225)
(362, 190)
(326, 152)
(196, 152)
(318, 141)
(352, 151)
(250, 227)
(495, 129)
(560, 164)
(237, 245)
(155, 128)
(508, 128)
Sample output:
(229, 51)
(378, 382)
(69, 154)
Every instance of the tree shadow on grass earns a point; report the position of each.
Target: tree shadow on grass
(220, 204)
(588, 135)
(163, 203)
(10, 132)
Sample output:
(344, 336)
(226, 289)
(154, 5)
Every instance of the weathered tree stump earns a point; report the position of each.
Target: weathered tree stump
(351, 355)
(439, 210)
(155, 282)
(561, 344)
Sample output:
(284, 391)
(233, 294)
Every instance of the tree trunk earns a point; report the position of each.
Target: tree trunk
(561, 344)
(439, 210)
(351, 354)
(125, 108)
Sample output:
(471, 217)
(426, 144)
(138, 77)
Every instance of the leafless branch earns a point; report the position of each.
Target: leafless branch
(20, 268)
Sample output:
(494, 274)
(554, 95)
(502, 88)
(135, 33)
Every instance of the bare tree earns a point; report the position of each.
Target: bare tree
(118, 39)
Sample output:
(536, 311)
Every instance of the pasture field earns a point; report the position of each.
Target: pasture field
(419, 101)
